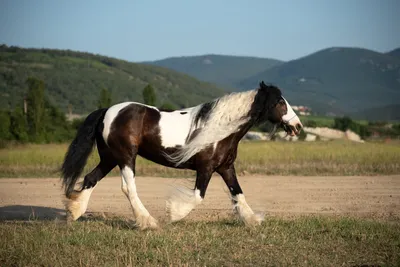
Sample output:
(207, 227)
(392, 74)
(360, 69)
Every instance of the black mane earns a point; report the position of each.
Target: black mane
(266, 98)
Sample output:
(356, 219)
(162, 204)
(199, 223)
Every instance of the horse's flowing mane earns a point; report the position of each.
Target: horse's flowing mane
(225, 116)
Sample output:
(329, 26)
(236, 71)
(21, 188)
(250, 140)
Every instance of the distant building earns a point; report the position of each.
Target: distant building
(302, 110)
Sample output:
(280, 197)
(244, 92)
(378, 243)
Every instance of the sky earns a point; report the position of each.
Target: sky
(155, 29)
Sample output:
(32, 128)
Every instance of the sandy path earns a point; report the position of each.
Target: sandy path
(273, 195)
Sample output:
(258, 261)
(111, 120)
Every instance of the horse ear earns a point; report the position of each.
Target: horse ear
(262, 85)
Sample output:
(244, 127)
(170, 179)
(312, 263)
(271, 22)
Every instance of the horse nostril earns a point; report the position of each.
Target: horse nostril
(298, 127)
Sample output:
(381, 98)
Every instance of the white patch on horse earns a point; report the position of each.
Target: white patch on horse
(175, 127)
(291, 117)
(215, 146)
(181, 202)
(142, 216)
(245, 212)
(77, 203)
(226, 117)
(112, 113)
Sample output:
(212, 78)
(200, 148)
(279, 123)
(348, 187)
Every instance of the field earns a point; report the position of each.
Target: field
(268, 158)
(326, 204)
(311, 241)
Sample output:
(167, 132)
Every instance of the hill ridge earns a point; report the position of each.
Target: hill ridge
(337, 80)
(224, 70)
(76, 78)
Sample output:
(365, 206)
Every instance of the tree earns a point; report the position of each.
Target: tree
(5, 124)
(343, 123)
(149, 96)
(19, 126)
(168, 106)
(58, 129)
(104, 100)
(346, 123)
(36, 109)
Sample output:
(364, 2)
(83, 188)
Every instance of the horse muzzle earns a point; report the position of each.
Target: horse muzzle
(292, 128)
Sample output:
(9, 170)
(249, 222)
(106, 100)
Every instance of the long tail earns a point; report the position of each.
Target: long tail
(79, 150)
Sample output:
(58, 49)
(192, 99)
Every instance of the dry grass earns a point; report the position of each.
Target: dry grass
(315, 241)
(319, 158)
(277, 158)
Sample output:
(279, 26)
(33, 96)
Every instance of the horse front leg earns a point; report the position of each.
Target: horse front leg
(143, 218)
(184, 200)
(240, 205)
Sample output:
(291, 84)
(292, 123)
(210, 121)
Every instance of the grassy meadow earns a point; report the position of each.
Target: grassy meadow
(305, 241)
(314, 240)
(269, 158)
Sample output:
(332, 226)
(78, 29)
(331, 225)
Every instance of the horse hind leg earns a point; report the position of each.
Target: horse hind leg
(76, 204)
(142, 217)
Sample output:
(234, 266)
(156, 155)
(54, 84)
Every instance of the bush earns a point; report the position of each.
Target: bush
(310, 123)
(346, 123)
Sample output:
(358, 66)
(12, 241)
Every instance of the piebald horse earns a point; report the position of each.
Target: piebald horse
(203, 138)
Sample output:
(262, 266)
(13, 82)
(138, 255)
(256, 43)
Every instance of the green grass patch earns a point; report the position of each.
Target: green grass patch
(269, 158)
(325, 121)
(316, 241)
(321, 121)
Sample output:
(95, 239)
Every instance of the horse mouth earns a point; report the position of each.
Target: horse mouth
(292, 130)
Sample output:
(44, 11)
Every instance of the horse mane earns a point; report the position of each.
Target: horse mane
(216, 120)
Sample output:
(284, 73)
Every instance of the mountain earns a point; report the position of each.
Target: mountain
(394, 53)
(225, 71)
(386, 113)
(76, 79)
(336, 80)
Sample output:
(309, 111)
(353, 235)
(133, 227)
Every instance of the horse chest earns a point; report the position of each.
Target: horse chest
(174, 127)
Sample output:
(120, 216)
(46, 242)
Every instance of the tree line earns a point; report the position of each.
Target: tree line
(37, 120)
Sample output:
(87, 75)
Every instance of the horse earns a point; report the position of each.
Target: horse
(203, 138)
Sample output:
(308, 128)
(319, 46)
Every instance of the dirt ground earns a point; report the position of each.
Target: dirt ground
(282, 196)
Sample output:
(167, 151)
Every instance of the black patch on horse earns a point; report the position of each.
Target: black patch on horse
(204, 112)
(183, 112)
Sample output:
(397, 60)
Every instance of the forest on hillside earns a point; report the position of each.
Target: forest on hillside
(74, 80)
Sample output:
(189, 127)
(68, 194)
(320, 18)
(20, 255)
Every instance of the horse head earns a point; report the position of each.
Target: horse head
(280, 112)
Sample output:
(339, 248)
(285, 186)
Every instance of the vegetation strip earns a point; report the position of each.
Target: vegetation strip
(318, 241)
(265, 158)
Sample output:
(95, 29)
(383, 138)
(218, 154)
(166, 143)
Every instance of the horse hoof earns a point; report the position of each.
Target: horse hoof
(253, 220)
(69, 217)
(146, 222)
(72, 209)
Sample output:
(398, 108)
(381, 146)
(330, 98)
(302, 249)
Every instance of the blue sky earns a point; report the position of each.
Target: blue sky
(147, 30)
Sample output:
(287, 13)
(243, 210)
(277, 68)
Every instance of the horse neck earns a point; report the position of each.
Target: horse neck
(244, 129)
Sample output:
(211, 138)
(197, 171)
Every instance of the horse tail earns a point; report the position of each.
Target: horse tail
(79, 150)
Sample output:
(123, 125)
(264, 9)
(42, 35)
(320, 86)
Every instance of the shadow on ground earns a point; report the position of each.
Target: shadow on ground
(38, 213)
(26, 213)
